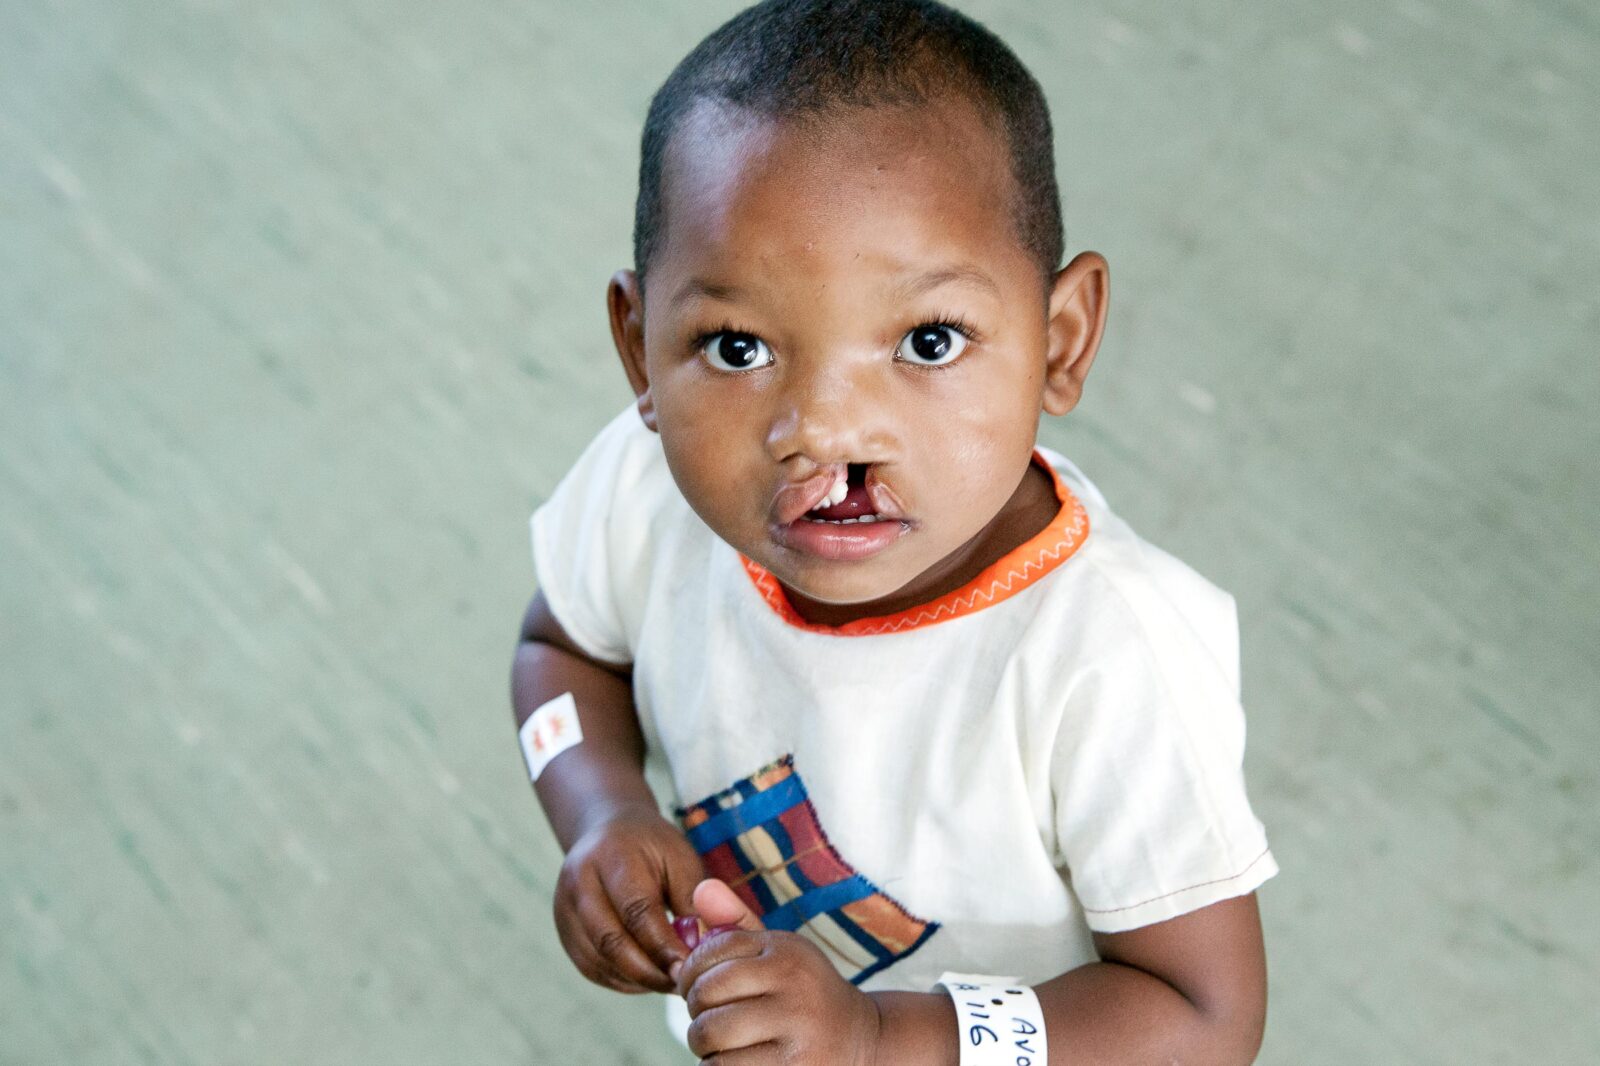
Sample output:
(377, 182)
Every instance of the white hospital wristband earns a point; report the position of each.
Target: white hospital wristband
(999, 1019)
(550, 730)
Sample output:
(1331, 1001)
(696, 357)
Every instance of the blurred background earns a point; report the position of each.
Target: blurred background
(301, 315)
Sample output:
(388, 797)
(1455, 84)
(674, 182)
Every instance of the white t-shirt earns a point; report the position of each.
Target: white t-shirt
(972, 785)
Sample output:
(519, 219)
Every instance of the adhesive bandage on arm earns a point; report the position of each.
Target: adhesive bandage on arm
(550, 730)
(999, 1020)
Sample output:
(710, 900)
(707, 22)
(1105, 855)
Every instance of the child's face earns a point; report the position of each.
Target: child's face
(851, 301)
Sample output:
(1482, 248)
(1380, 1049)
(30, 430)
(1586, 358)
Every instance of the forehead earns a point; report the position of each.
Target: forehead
(874, 189)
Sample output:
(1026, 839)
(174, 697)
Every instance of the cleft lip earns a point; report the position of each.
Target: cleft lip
(884, 500)
(795, 498)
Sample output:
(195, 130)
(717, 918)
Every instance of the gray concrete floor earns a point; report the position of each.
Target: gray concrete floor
(300, 315)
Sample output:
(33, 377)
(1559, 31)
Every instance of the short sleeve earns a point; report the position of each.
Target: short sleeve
(1151, 815)
(588, 551)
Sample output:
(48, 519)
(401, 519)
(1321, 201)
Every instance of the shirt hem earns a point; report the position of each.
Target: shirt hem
(1183, 900)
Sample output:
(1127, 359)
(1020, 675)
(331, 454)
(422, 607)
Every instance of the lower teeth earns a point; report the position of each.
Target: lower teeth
(864, 519)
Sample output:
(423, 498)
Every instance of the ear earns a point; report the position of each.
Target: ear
(1076, 317)
(625, 305)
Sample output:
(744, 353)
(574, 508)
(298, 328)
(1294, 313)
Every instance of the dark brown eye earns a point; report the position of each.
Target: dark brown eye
(932, 345)
(735, 351)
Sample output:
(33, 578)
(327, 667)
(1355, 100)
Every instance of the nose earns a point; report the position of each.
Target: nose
(829, 413)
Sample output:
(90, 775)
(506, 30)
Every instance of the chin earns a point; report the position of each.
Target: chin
(838, 589)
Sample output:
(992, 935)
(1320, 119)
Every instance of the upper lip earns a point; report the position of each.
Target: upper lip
(885, 504)
(796, 498)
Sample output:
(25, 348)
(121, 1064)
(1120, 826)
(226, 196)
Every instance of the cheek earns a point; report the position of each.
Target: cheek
(688, 430)
(704, 464)
(986, 454)
(686, 458)
(986, 437)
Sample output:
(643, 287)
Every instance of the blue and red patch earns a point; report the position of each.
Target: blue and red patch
(761, 836)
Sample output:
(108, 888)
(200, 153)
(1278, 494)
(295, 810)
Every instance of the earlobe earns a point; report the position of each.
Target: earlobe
(625, 306)
(1076, 319)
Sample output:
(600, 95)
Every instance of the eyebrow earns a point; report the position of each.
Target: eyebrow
(963, 274)
(700, 287)
(922, 283)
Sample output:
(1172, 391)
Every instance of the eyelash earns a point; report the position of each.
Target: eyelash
(953, 322)
(699, 341)
(949, 321)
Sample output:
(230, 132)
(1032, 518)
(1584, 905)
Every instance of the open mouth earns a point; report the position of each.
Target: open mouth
(848, 503)
(843, 524)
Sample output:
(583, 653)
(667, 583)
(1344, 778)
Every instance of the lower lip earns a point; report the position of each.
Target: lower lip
(842, 543)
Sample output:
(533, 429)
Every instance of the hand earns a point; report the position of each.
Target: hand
(763, 997)
(611, 899)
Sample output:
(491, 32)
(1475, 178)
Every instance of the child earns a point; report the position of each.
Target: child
(928, 707)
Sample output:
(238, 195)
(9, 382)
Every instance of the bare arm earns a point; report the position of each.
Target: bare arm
(625, 863)
(605, 773)
(1190, 990)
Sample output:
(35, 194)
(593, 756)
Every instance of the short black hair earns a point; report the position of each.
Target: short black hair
(786, 59)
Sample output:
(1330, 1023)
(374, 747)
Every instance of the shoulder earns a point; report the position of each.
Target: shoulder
(598, 538)
(622, 470)
(626, 451)
(1139, 656)
(1127, 599)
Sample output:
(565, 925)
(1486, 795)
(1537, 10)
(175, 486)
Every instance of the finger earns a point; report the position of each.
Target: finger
(637, 898)
(595, 969)
(684, 871)
(611, 940)
(732, 980)
(575, 939)
(729, 1029)
(738, 944)
(717, 904)
(575, 935)
(580, 948)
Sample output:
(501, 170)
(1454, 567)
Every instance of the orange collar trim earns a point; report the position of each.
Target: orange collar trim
(1002, 579)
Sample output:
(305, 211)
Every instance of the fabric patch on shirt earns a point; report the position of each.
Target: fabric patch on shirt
(761, 836)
